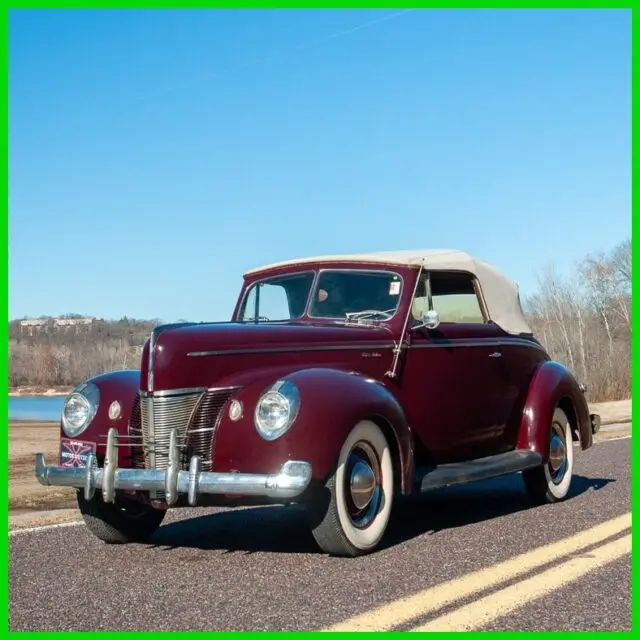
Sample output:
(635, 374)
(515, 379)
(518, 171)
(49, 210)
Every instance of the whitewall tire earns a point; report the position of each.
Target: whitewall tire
(353, 516)
(551, 482)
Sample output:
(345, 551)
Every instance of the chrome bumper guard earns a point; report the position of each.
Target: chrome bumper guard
(292, 479)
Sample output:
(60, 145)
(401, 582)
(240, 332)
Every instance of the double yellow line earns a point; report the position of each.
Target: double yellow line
(485, 609)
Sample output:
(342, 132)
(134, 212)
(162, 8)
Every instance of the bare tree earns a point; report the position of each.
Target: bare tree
(584, 320)
(64, 358)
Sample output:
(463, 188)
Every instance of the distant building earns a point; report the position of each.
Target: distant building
(71, 322)
(55, 324)
(33, 325)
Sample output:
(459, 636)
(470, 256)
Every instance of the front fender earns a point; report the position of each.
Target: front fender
(332, 402)
(553, 385)
(122, 386)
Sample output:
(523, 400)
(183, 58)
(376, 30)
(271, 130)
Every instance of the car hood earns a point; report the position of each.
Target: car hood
(205, 354)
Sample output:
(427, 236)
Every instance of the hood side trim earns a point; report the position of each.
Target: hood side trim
(346, 347)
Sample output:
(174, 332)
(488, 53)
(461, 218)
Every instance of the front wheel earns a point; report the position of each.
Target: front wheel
(352, 516)
(550, 482)
(120, 522)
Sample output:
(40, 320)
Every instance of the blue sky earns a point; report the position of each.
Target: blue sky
(157, 155)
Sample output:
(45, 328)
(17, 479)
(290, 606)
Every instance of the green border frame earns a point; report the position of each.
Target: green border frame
(633, 5)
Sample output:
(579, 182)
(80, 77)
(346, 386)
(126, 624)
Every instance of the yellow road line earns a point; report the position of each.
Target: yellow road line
(485, 610)
(434, 598)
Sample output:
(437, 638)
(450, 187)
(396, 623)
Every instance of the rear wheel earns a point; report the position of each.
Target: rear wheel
(352, 515)
(120, 522)
(551, 482)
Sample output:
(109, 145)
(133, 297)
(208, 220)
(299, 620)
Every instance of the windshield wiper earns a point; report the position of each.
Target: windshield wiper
(367, 313)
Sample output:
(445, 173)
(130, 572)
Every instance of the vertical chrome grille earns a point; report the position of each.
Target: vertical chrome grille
(200, 438)
(135, 435)
(159, 415)
(195, 413)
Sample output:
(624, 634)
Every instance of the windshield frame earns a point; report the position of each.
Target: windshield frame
(384, 269)
(266, 279)
(317, 272)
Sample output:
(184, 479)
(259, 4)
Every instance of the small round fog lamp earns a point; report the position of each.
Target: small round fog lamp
(114, 410)
(235, 410)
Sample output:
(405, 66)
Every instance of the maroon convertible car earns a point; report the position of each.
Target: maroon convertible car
(341, 383)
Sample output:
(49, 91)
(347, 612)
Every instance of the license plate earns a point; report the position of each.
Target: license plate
(75, 453)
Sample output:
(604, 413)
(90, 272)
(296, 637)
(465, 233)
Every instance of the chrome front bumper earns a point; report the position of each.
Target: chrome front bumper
(292, 479)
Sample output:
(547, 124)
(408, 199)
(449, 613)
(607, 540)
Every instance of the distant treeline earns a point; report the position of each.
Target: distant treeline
(64, 356)
(583, 319)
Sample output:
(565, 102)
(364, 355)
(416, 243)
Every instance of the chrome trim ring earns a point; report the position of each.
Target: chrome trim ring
(558, 461)
(362, 483)
(363, 491)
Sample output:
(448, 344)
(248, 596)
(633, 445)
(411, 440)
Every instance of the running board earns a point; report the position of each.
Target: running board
(453, 473)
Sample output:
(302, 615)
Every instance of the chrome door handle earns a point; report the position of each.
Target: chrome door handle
(495, 354)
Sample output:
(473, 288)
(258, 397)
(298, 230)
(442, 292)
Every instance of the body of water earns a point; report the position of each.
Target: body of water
(35, 407)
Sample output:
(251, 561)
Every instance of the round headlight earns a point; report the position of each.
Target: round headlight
(79, 409)
(277, 409)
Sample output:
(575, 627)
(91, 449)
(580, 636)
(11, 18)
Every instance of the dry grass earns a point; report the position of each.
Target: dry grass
(25, 492)
(612, 412)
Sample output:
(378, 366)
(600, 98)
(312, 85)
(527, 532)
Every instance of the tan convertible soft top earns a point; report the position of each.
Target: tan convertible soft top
(500, 293)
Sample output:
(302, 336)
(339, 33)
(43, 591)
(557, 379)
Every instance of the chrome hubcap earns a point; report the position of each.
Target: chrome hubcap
(557, 455)
(363, 486)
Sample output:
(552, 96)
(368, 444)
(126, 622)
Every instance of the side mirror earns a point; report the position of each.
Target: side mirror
(430, 319)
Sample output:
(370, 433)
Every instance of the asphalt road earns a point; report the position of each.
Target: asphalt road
(259, 568)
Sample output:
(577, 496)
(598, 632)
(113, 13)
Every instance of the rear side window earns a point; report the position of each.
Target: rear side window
(453, 296)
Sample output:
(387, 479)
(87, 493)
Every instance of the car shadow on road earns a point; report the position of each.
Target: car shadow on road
(277, 529)
(455, 507)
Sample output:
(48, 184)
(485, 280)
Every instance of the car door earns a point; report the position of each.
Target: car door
(455, 371)
(521, 355)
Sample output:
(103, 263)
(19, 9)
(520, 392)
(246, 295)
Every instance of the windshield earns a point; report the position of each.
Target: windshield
(279, 298)
(346, 295)
(371, 295)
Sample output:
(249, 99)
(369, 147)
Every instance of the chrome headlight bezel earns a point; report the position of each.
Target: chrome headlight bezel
(284, 395)
(87, 395)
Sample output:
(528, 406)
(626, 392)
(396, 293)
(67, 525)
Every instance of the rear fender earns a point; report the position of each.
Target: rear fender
(553, 386)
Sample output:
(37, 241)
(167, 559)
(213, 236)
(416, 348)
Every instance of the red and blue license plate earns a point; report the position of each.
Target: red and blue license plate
(75, 453)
